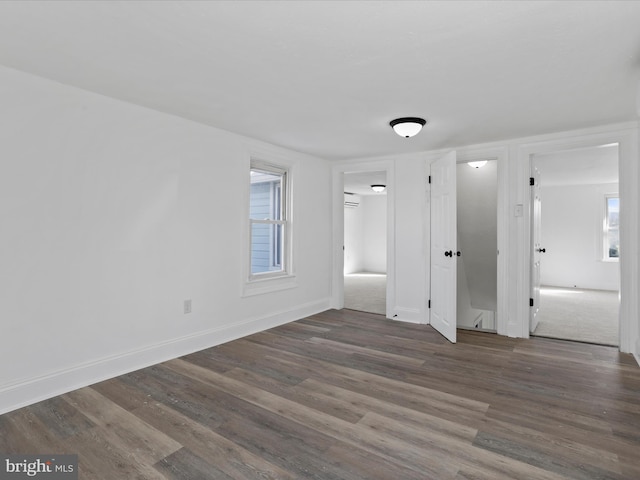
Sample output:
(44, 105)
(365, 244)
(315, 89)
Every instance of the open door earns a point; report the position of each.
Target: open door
(536, 250)
(443, 246)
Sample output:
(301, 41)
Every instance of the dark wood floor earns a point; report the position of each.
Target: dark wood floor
(349, 395)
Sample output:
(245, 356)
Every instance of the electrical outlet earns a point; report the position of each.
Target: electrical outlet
(187, 306)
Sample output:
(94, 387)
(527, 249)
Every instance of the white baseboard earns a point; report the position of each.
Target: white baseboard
(409, 320)
(29, 391)
(402, 314)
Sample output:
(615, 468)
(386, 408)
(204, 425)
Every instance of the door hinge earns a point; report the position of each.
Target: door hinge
(531, 302)
(429, 306)
(429, 179)
(532, 181)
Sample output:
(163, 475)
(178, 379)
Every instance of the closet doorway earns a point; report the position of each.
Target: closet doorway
(477, 217)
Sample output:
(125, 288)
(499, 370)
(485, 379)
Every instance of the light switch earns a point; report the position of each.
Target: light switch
(518, 210)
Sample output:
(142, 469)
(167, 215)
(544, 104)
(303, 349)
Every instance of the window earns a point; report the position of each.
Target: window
(611, 237)
(268, 221)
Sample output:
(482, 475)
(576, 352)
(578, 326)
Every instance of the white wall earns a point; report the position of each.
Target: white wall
(374, 233)
(467, 316)
(353, 239)
(112, 215)
(477, 272)
(635, 269)
(571, 233)
(365, 235)
(410, 221)
(477, 212)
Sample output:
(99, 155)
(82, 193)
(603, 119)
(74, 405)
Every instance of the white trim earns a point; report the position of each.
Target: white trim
(251, 284)
(408, 315)
(573, 138)
(284, 221)
(337, 242)
(32, 390)
(269, 284)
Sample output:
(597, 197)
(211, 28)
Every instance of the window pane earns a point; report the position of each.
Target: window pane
(266, 247)
(613, 225)
(613, 212)
(265, 201)
(613, 241)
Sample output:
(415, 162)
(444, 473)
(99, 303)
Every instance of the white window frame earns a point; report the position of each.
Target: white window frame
(605, 228)
(264, 282)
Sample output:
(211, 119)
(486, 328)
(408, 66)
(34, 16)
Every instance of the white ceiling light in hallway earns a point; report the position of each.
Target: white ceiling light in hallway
(407, 126)
(477, 164)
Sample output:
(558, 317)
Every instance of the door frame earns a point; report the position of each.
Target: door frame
(536, 226)
(337, 280)
(501, 154)
(628, 171)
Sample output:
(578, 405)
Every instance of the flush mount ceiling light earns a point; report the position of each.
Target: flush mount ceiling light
(407, 126)
(378, 188)
(478, 164)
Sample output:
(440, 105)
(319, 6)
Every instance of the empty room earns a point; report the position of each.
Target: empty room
(190, 189)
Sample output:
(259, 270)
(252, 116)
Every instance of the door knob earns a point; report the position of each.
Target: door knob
(541, 250)
(448, 254)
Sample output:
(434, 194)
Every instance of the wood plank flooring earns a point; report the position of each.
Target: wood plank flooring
(349, 395)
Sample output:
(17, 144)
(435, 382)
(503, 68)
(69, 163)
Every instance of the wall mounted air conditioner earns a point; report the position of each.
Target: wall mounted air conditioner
(351, 200)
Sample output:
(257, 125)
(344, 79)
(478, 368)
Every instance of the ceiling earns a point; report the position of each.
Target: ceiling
(326, 77)
(581, 166)
(360, 182)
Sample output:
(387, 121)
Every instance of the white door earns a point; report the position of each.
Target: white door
(443, 246)
(537, 249)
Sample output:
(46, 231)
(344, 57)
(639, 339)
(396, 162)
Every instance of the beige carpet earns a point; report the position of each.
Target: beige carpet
(579, 314)
(565, 313)
(366, 292)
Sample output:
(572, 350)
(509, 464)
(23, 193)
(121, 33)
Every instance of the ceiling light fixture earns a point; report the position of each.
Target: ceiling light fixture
(478, 164)
(378, 188)
(407, 126)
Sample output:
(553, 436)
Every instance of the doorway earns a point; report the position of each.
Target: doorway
(578, 235)
(477, 218)
(479, 243)
(365, 241)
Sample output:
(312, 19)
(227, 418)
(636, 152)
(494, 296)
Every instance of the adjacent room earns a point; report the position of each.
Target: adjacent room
(580, 239)
(365, 242)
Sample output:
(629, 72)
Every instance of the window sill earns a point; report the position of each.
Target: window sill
(610, 260)
(261, 286)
